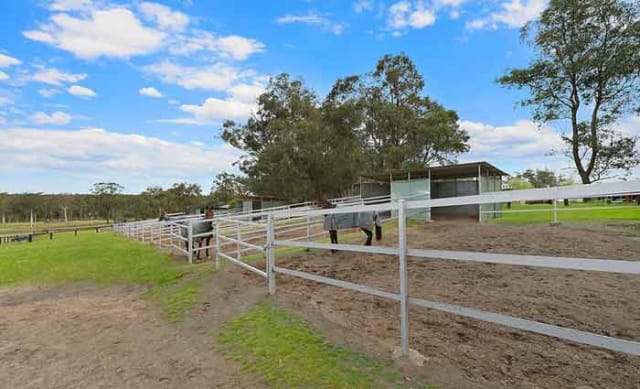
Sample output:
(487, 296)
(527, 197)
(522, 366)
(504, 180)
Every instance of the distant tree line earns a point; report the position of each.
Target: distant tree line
(105, 202)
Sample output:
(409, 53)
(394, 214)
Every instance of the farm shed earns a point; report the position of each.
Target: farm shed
(438, 182)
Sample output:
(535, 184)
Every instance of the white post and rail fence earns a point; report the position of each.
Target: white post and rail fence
(235, 236)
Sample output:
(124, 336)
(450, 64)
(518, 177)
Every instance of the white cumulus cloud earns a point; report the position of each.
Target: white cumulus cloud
(214, 109)
(164, 17)
(230, 46)
(89, 153)
(56, 77)
(217, 76)
(404, 15)
(69, 5)
(6, 61)
(150, 91)
(56, 118)
(114, 32)
(81, 91)
(511, 14)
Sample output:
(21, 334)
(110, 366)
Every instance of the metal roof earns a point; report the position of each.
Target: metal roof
(463, 170)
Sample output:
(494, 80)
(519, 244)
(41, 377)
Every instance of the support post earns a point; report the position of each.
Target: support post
(238, 237)
(404, 286)
(555, 211)
(171, 232)
(479, 192)
(217, 248)
(190, 242)
(308, 228)
(271, 256)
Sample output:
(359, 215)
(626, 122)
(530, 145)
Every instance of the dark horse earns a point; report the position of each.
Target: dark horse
(198, 227)
(363, 220)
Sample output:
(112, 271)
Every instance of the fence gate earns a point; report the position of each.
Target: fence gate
(238, 239)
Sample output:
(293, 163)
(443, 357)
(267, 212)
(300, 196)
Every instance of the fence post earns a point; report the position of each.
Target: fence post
(217, 248)
(308, 228)
(238, 247)
(404, 287)
(555, 211)
(271, 256)
(171, 233)
(190, 241)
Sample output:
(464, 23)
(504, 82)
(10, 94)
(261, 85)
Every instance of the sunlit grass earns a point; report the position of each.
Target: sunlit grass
(574, 213)
(289, 354)
(104, 259)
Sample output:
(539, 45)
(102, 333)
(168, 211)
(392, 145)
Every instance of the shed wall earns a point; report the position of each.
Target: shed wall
(418, 189)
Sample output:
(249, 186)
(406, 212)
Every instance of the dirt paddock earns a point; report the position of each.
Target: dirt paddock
(468, 353)
(81, 336)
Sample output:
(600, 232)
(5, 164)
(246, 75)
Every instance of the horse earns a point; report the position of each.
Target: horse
(363, 220)
(199, 227)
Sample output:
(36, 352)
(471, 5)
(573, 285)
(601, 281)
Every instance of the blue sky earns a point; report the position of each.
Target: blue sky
(134, 91)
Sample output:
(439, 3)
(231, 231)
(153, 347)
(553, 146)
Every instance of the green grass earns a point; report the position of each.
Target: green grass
(574, 213)
(289, 354)
(17, 228)
(104, 259)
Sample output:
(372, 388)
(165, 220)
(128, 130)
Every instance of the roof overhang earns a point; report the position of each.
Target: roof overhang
(463, 170)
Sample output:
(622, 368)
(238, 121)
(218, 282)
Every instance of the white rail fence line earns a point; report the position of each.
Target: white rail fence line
(234, 230)
(402, 251)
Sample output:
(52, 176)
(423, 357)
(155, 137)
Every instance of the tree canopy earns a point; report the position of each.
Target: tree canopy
(298, 146)
(586, 70)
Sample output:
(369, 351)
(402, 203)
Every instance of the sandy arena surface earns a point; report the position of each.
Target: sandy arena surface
(86, 337)
(464, 353)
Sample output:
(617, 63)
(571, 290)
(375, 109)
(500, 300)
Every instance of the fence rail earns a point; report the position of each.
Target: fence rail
(233, 232)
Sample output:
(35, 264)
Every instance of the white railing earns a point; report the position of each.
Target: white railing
(402, 251)
(299, 226)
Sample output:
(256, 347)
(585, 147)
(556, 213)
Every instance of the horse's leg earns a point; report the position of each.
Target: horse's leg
(378, 232)
(369, 236)
(208, 240)
(333, 234)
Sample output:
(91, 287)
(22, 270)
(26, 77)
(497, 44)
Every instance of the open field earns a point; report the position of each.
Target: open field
(576, 212)
(16, 228)
(99, 310)
(464, 353)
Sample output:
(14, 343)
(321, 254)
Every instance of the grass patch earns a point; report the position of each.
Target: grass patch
(16, 228)
(180, 296)
(289, 354)
(574, 213)
(104, 259)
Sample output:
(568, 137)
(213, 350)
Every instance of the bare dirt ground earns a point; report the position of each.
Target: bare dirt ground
(88, 337)
(464, 353)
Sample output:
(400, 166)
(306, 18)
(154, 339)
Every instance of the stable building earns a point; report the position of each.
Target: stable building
(438, 182)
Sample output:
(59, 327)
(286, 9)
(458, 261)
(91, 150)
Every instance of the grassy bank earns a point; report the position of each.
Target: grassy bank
(104, 259)
(575, 212)
(289, 354)
(17, 228)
